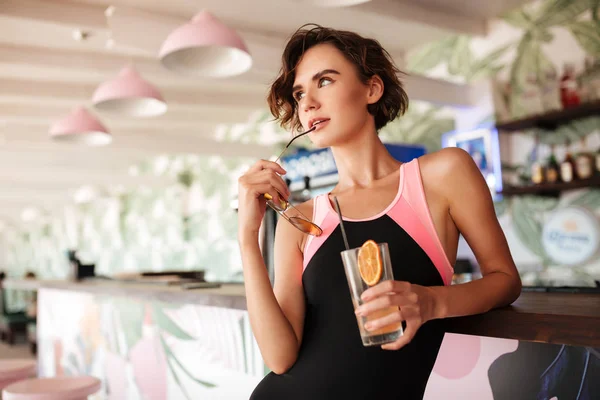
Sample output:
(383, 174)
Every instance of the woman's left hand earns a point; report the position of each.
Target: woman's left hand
(416, 305)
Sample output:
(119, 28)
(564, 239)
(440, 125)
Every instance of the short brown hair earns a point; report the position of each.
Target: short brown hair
(367, 55)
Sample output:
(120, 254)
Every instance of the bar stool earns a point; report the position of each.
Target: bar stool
(59, 388)
(12, 371)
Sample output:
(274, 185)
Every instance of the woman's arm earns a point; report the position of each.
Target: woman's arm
(276, 314)
(470, 208)
(472, 211)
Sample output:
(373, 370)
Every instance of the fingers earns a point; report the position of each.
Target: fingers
(397, 300)
(406, 338)
(391, 318)
(271, 178)
(277, 182)
(264, 181)
(379, 303)
(268, 191)
(385, 287)
(265, 164)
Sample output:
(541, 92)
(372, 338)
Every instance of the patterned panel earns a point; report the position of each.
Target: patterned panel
(148, 350)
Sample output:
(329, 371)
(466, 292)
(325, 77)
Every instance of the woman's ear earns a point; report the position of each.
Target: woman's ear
(375, 86)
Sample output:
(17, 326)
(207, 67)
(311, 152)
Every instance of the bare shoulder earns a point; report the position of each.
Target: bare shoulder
(288, 231)
(448, 169)
(306, 208)
(447, 161)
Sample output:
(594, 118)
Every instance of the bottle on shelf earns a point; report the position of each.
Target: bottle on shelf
(537, 169)
(584, 162)
(569, 96)
(552, 167)
(567, 167)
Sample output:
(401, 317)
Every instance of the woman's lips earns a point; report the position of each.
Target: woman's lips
(321, 125)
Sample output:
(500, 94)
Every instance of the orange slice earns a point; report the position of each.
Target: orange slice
(369, 263)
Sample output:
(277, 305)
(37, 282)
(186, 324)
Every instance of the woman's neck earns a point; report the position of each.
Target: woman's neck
(362, 161)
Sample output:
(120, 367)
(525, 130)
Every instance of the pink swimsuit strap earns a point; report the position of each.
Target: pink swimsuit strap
(409, 210)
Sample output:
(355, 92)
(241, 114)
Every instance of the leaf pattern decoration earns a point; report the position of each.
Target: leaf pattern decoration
(518, 18)
(431, 55)
(587, 34)
(487, 65)
(166, 324)
(518, 72)
(560, 12)
(527, 228)
(461, 57)
(589, 199)
(501, 206)
(424, 127)
(130, 316)
(595, 5)
(530, 61)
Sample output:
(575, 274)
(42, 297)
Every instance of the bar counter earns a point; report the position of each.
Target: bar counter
(559, 318)
(145, 340)
(227, 296)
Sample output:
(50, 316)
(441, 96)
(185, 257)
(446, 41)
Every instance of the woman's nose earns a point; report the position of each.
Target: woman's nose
(310, 102)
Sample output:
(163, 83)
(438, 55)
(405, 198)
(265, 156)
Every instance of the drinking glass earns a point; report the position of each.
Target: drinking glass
(388, 333)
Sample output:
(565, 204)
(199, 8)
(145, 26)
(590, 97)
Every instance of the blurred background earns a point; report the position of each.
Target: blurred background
(125, 124)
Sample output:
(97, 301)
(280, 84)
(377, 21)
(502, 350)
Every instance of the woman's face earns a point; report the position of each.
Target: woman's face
(327, 88)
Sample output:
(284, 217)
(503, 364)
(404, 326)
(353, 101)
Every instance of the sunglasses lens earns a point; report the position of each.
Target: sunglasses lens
(285, 209)
(305, 226)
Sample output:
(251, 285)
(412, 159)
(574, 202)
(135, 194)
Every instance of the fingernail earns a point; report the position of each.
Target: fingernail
(365, 298)
(358, 312)
(368, 326)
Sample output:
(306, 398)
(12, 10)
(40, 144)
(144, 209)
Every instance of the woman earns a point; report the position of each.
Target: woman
(305, 324)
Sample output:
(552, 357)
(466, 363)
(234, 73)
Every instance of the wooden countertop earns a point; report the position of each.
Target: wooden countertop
(560, 318)
(228, 295)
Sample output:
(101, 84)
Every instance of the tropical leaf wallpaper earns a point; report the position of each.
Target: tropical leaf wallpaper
(519, 43)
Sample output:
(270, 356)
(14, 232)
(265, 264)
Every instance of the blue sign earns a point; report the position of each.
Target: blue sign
(321, 162)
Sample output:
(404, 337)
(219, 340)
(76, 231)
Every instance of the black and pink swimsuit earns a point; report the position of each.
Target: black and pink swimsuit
(332, 362)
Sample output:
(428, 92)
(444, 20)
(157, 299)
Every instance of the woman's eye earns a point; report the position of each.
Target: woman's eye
(325, 82)
(322, 82)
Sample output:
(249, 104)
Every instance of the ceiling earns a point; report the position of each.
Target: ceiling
(45, 71)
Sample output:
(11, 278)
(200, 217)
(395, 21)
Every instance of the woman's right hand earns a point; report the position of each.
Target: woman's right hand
(263, 177)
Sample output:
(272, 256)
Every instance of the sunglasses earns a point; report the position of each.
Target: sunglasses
(287, 210)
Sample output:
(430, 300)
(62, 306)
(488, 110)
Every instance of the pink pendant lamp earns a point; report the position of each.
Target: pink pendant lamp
(80, 127)
(129, 94)
(205, 47)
